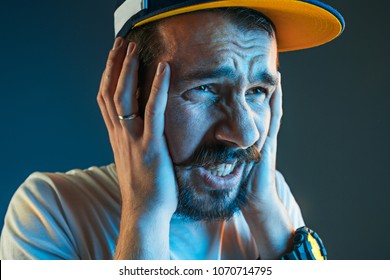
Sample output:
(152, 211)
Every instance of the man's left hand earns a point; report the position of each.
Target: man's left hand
(265, 213)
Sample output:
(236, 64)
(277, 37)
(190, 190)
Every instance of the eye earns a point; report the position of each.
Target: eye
(206, 94)
(258, 90)
(205, 88)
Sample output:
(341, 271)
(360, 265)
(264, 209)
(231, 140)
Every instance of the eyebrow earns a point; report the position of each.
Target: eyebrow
(203, 74)
(226, 72)
(267, 78)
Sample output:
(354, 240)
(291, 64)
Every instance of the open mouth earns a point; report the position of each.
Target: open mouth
(221, 170)
(223, 175)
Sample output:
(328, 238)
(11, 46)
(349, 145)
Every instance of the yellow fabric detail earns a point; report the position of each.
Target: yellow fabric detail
(299, 25)
(315, 249)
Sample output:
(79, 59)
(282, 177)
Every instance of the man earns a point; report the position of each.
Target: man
(192, 101)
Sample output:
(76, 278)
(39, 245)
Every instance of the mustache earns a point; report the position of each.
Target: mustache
(218, 153)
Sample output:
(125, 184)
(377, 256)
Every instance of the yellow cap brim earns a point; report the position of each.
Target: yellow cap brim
(299, 25)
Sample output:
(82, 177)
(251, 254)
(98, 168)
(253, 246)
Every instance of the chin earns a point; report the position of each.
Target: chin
(199, 201)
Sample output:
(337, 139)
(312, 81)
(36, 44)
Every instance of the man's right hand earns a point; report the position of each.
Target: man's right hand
(144, 167)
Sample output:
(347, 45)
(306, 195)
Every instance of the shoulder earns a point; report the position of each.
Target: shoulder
(48, 214)
(82, 185)
(72, 189)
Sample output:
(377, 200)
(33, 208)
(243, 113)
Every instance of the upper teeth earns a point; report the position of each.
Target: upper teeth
(221, 169)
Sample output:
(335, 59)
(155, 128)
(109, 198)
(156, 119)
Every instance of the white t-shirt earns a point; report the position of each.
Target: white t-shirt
(76, 215)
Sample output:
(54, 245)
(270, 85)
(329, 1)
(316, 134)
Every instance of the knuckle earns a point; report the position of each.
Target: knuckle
(118, 99)
(100, 99)
(150, 112)
(105, 94)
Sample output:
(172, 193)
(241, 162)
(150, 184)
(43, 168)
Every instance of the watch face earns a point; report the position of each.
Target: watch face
(315, 248)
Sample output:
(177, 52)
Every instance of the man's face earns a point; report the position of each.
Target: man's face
(218, 109)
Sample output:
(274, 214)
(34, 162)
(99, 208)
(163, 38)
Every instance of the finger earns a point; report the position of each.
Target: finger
(155, 107)
(111, 76)
(125, 98)
(276, 111)
(102, 106)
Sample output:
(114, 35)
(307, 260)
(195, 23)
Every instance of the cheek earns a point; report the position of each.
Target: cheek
(185, 128)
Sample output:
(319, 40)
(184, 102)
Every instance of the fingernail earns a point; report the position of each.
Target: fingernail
(118, 43)
(161, 68)
(130, 48)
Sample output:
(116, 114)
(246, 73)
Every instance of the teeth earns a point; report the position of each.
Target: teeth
(228, 169)
(221, 170)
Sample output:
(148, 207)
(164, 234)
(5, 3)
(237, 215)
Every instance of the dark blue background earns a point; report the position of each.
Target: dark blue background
(334, 141)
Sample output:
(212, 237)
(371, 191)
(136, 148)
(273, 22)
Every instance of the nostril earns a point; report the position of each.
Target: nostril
(238, 134)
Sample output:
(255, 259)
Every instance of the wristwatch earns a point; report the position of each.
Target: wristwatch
(307, 246)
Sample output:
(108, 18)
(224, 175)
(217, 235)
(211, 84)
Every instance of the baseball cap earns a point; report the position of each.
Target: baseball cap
(299, 24)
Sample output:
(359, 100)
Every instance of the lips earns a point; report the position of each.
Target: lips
(221, 176)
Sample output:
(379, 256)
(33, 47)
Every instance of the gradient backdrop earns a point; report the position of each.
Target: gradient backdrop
(333, 145)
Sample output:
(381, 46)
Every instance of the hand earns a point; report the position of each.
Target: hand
(265, 214)
(263, 183)
(144, 167)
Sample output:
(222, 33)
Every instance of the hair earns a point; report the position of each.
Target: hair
(151, 46)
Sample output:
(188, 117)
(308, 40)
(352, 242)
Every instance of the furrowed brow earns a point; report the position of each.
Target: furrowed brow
(205, 74)
(267, 78)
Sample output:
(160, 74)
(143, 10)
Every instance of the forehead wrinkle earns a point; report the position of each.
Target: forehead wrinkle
(220, 41)
(204, 73)
(231, 68)
(239, 46)
(211, 48)
(260, 71)
(241, 42)
(246, 55)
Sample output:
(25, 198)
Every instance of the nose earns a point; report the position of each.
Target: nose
(238, 126)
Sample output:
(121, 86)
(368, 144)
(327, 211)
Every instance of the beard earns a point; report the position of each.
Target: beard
(197, 202)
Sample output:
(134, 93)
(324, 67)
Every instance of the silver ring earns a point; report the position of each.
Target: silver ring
(128, 117)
